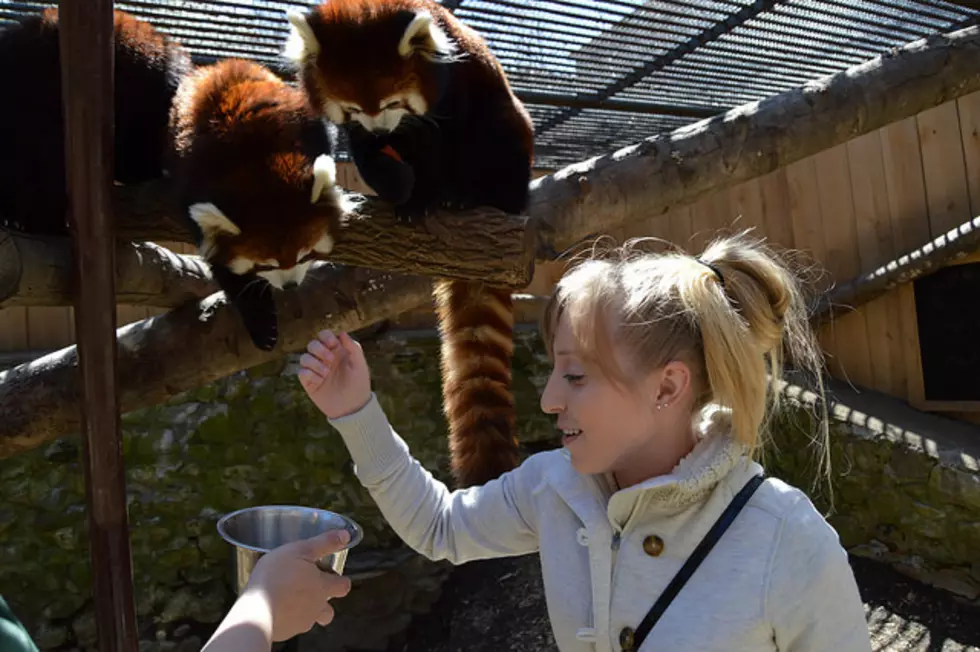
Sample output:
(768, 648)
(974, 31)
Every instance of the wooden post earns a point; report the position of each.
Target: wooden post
(87, 61)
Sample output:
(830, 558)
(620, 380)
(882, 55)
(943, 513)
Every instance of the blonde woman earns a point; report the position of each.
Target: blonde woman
(655, 528)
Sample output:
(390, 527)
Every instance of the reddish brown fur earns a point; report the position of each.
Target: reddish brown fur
(358, 62)
(354, 68)
(476, 372)
(239, 132)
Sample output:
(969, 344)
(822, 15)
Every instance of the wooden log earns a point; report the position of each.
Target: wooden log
(929, 258)
(598, 195)
(480, 244)
(86, 46)
(195, 344)
(39, 271)
(649, 178)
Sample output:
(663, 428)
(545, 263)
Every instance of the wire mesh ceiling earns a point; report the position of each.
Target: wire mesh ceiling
(600, 74)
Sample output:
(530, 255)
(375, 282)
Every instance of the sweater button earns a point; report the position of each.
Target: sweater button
(653, 545)
(626, 639)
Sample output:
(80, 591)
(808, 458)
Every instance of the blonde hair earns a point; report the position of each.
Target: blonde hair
(732, 315)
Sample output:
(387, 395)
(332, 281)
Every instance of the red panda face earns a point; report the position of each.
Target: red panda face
(276, 235)
(372, 65)
(255, 172)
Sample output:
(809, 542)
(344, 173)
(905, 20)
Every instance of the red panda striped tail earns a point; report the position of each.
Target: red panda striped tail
(476, 324)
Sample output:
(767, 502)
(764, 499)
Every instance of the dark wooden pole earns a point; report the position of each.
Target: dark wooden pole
(86, 41)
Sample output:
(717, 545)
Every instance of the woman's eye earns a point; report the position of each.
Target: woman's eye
(574, 378)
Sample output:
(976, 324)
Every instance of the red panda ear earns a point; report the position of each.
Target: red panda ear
(324, 176)
(424, 36)
(301, 44)
(211, 220)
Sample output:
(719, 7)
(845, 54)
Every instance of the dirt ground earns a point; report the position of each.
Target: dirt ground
(499, 605)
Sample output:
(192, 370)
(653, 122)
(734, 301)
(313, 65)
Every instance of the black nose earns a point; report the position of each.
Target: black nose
(289, 285)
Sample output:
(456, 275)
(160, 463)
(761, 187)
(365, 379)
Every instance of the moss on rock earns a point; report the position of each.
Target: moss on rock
(252, 438)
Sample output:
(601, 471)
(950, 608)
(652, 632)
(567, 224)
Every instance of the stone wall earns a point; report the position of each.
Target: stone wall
(254, 438)
(906, 485)
(249, 439)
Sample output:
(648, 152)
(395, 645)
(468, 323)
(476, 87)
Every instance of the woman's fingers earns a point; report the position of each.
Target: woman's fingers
(310, 363)
(309, 380)
(319, 350)
(349, 344)
(329, 339)
(326, 616)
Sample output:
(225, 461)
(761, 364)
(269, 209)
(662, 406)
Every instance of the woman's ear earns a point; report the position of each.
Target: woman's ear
(673, 382)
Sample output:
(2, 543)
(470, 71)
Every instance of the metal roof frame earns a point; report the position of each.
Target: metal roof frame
(599, 74)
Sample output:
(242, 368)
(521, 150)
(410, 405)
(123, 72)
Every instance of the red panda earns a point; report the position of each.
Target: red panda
(148, 67)
(254, 174)
(432, 121)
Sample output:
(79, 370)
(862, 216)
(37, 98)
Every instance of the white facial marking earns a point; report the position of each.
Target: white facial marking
(434, 43)
(335, 113)
(416, 101)
(280, 277)
(324, 245)
(301, 42)
(211, 220)
(240, 265)
(324, 176)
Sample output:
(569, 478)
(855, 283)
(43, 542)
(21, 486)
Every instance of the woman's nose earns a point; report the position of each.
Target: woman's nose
(551, 400)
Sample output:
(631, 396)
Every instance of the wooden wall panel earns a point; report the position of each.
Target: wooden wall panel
(876, 246)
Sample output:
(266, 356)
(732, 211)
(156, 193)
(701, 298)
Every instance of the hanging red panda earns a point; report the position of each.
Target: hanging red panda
(432, 121)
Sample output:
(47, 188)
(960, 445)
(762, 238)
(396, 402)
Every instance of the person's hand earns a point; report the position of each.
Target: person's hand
(335, 374)
(296, 590)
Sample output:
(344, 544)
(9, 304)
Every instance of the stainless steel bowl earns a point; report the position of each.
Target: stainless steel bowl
(254, 531)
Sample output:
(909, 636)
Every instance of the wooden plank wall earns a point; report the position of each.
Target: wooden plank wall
(851, 208)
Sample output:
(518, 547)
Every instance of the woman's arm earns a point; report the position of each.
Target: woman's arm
(493, 520)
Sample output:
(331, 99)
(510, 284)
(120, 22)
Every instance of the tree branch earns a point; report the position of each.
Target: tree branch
(655, 175)
(479, 244)
(202, 341)
(192, 345)
(38, 271)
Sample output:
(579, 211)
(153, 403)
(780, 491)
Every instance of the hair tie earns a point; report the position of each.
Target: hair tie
(713, 268)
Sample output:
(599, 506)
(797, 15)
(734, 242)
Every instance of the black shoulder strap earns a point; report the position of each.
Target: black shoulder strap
(684, 574)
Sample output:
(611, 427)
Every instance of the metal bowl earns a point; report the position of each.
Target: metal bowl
(254, 531)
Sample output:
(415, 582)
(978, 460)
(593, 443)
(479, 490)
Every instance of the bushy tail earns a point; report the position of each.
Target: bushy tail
(476, 324)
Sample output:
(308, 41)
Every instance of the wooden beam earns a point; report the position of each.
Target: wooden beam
(195, 344)
(40, 271)
(477, 244)
(595, 196)
(947, 249)
(87, 81)
(653, 176)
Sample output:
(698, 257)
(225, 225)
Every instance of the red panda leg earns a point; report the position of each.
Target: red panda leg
(476, 324)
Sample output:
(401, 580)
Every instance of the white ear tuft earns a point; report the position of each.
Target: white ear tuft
(422, 34)
(301, 42)
(324, 176)
(211, 220)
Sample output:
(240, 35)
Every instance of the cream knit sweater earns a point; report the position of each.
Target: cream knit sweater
(777, 580)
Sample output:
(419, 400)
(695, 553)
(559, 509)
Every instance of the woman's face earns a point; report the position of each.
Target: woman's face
(603, 424)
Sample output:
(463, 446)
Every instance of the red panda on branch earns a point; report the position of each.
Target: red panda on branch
(148, 66)
(432, 121)
(254, 174)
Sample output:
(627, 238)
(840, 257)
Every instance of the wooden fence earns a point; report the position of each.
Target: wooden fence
(851, 208)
